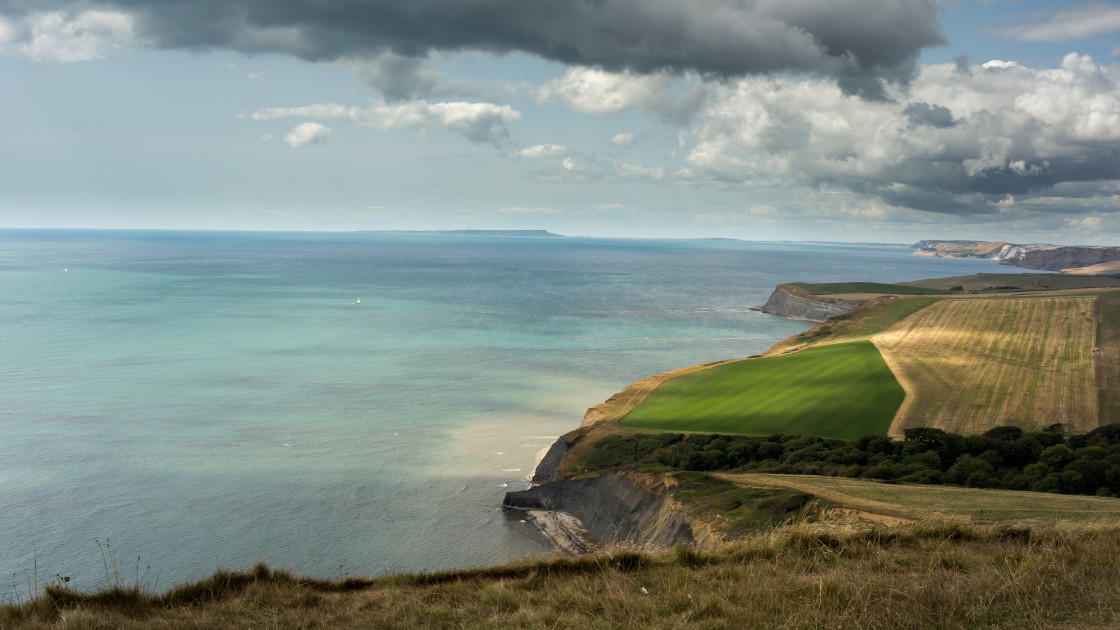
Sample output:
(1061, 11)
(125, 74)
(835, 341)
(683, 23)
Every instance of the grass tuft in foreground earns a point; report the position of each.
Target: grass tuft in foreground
(929, 575)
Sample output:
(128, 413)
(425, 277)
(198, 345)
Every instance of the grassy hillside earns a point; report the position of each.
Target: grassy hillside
(910, 502)
(829, 288)
(970, 365)
(1001, 282)
(927, 575)
(843, 390)
(968, 362)
(860, 323)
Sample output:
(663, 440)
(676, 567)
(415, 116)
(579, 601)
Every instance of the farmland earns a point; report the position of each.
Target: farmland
(841, 390)
(866, 287)
(1107, 313)
(911, 502)
(997, 282)
(970, 365)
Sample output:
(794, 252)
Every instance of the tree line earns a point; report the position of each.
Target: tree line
(1004, 457)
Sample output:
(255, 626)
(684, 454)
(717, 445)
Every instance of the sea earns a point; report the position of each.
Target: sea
(338, 404)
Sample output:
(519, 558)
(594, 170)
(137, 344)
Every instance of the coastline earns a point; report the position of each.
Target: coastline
(565, 532)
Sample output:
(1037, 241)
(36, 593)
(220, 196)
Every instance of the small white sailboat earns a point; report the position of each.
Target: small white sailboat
(358, 301)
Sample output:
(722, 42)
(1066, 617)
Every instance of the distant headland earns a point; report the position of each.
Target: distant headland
(1067, 259)
(532, 233)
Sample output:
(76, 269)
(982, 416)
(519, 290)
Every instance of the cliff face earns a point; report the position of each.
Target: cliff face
(1041, 257)
(549, 466)
(1058, 258)
(962, 249)
(614, 509)
(788, 301)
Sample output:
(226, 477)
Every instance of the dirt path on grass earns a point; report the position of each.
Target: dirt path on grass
(864, 509)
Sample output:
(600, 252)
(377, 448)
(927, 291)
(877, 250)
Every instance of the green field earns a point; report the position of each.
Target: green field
(827, 288)
(842, 391)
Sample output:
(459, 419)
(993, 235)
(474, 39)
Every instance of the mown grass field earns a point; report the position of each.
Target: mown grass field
(842, 390)
(970, 365)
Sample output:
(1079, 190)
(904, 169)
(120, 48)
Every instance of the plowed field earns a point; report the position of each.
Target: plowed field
(970, 365)
(1108, 358)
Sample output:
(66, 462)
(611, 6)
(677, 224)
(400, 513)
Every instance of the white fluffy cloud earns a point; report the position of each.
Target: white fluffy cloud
(592, 91)
(542, 151)
(478, 122)
(307, 133)
(989, 139)
(58, 36)
(622, 139)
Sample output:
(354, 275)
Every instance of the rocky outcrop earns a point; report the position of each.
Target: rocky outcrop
(612, 507)
(789, 301)
(549, 466)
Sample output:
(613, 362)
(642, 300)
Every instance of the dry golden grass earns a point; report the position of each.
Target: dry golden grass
(944, 503)
(970, 365)
(928, 575)
(1107, 357)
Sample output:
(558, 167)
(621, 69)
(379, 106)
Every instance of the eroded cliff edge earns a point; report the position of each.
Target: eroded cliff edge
(614, 508)
(789, 301)
(630, 507)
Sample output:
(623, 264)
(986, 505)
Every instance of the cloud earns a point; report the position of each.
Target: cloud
(591, 91)
(622, 139)
(926, 114)
(1088, 224)
(397, 77)
(307, 133)
(66, 37)
(859, 42)
(520, 210)
(997, 139)
(1068, 23)
(478, 122)
(542, 151)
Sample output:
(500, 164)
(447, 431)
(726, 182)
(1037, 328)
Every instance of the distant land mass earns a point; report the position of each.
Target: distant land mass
(1066, 259)
(534, 233)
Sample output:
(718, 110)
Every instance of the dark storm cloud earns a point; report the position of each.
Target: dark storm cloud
(926, 114)
(860, 42)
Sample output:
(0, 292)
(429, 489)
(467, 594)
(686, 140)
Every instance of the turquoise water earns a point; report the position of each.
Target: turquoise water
(215, 399)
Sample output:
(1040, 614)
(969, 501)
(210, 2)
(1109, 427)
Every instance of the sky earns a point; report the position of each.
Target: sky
(859, 121)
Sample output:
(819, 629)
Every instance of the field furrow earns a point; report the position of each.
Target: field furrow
(970, 365)
(1107, 358)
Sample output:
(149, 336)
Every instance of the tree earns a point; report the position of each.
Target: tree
(1057, 456)
(971, 471)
